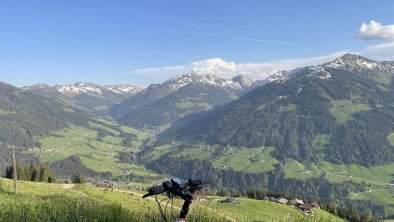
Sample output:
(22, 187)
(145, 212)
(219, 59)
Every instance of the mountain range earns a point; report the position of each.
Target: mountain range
(26, 115)
(296, 131)
(88, 95)
(160, 104)
(348, 101)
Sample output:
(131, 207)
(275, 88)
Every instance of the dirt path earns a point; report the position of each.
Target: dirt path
(369, 191)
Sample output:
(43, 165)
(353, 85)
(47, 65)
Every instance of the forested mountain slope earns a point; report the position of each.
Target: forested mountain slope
(349, 102)
(25, 114)
(180, 96)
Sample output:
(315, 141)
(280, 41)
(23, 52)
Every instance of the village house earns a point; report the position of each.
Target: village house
(282, 200)
(107, 184)
(230, 200)
(315, 205)
(307, 209)
(296, 202)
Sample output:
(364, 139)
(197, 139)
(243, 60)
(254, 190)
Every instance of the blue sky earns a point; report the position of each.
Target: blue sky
(140, 42)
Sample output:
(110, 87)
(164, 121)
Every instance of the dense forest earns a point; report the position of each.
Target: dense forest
(25, 114)
(72, 165)
(289, 115)
(31, 172)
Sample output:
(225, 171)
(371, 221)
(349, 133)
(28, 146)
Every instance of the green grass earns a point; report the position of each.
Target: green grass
(92, 124)
(343, 109)
(382, 196)
(377, 176)
(320, 144)
(190, 104)
(252, 160)
(254, 210)
(52, 202)
(390, 138)
(295, 169)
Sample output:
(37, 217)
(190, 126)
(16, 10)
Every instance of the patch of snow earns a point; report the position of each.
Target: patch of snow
(351, 62)
(123, 89)
(79, 88)
(311, 71)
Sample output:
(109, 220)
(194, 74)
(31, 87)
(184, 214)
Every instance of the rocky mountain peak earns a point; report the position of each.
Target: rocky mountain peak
(243, 81)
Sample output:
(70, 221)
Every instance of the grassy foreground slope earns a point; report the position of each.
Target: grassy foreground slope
(59, 202)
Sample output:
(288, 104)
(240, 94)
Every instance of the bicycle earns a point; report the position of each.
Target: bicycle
(177, 187)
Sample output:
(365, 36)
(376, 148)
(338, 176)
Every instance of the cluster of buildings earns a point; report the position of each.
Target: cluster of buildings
(107, 184)
(304, 207)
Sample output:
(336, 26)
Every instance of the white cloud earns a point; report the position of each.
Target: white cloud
(376, 31)
(258, 71)
(228, 69)
(382, 52)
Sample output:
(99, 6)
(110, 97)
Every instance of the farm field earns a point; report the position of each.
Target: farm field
(343, 109)
(256, 160)
(48, 202)
(98, 154)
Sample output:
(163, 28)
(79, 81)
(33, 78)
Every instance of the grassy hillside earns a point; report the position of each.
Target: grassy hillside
(261, 160)
(97, 152)
(49, 202)
(346, 118)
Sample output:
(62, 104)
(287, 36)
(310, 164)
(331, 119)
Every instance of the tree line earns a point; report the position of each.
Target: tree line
(33, 172)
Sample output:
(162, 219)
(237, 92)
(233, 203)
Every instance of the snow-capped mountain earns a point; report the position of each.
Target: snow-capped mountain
(178, 97)
(79, 88)
(88, 95)
(352, 62)
(347, 62)
(317, 71)
(123, 88)
(91, 88)
(238, 83)
(299, 104)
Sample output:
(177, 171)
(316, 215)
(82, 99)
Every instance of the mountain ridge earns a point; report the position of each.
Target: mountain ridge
(197, 90)
(88, 95)
(290, 111)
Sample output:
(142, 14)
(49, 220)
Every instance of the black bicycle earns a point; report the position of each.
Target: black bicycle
(177, 187)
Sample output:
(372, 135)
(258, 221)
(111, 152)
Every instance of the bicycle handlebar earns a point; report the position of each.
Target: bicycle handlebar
(155, 190)
(179, 188)
(205, 181)
(175, 186)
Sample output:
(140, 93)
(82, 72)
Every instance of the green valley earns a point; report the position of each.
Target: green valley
(99, 153)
